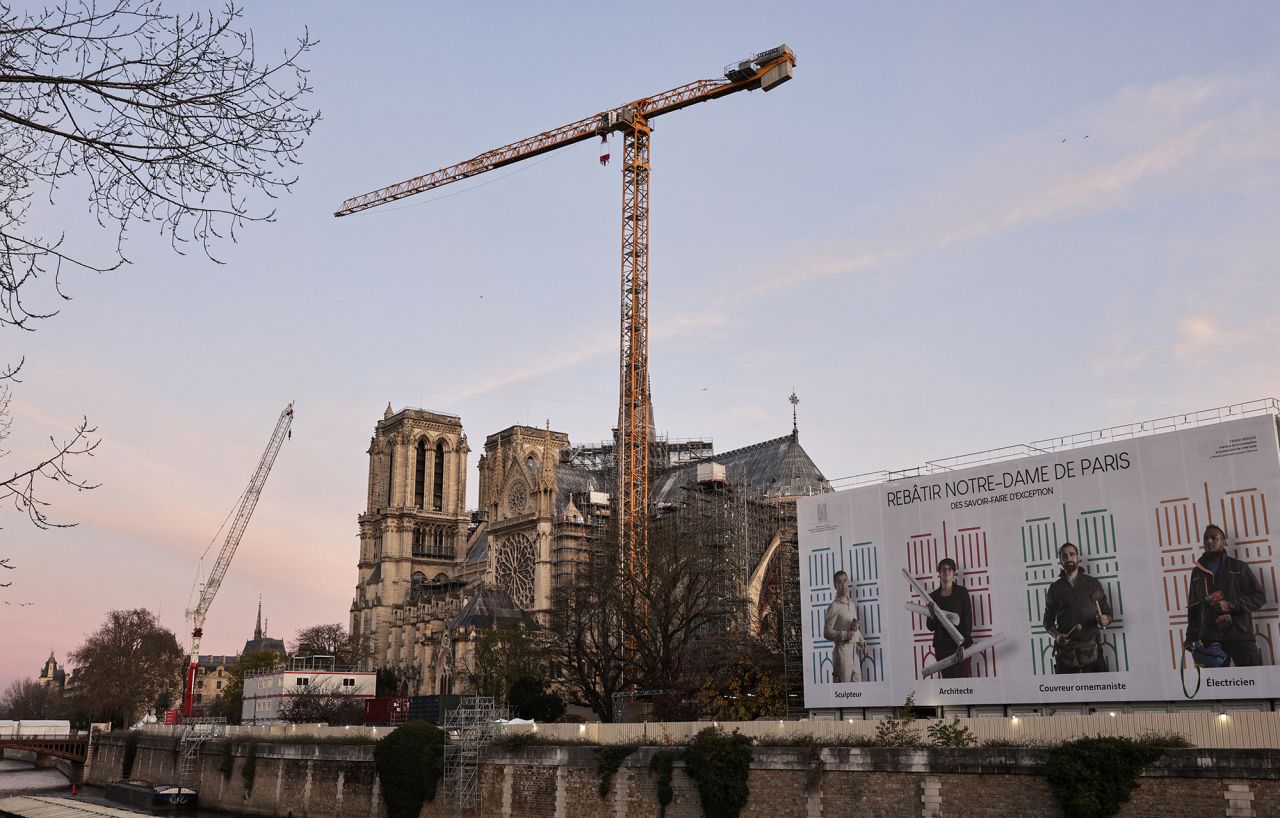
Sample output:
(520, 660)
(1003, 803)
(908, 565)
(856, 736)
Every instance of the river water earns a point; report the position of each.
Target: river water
(22, 778)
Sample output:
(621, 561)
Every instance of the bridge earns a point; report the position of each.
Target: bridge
(69, 746)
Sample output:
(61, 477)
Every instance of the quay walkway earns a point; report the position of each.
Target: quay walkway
(43, 806)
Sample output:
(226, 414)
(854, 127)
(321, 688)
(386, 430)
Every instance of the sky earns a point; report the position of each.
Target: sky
(961, 226)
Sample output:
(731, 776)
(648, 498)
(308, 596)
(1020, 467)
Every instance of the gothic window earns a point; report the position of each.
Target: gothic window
(430, 542)
(391, 471)
(517, 498)
(514, 569)
(420, 476)
(377, 547)
(437, 485)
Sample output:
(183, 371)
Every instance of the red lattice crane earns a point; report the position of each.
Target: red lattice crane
(248, 502)
(765, 71)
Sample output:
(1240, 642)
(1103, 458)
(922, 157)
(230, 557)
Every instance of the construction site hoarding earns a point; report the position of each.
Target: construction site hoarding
(1114, 630)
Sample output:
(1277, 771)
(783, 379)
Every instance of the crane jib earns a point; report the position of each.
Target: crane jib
(765, 70)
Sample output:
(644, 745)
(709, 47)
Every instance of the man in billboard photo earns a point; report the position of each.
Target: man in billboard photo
(1075, 612)
(841, 627)
(953, 597)
(1222, 595)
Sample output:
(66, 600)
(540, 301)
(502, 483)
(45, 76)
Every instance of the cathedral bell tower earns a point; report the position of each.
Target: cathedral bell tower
(414, 527)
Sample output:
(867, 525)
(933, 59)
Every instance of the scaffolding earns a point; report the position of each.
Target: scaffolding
(469, 729)
(195, 732)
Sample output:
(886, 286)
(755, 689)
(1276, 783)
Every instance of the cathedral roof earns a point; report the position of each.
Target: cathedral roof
(491, 608)
(571, 479)
(776, 468)
(478, 550)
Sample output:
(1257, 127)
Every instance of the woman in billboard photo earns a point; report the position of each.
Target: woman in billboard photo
(953, 597)
(841, 627)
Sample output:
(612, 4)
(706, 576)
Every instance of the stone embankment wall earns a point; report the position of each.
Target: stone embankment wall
(318, 781)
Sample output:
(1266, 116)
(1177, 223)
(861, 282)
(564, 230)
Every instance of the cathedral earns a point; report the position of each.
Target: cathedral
(431, 571)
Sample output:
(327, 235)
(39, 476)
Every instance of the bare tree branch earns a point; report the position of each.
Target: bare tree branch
(21, 489)
(168, 119)
(174, 119)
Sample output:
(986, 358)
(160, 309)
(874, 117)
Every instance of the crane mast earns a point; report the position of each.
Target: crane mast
(765, 70)
(248, 501)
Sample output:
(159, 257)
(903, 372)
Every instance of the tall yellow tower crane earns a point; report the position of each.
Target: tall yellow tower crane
(765, 71)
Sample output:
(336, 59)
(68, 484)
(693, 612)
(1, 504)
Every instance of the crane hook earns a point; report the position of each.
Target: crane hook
(604, 149)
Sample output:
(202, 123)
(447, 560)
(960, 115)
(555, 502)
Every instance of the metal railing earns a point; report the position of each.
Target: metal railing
(1128, 431)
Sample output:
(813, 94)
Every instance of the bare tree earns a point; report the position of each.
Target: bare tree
(684, 596)
(588, 651)
(28, 699)
(330, 640)
(322, 703)
(171, 119)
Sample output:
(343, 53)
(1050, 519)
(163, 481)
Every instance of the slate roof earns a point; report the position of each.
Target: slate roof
(266, 643)
(478, 550)
(490, 608)
(571, 479)
(774, 468)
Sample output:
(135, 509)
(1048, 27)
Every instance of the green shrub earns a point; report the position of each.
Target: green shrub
(130, 753)
(1165, 740)
(951, 735)
(719, 763)
(410, 761)
(608, 759)
(661, 765)
(899, 729)
(1092, 777)
(250, 768)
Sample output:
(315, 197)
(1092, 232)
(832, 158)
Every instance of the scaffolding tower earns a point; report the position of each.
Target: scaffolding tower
(469, 729)
(195, 732)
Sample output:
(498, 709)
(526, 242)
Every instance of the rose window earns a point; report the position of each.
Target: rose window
(514, 569)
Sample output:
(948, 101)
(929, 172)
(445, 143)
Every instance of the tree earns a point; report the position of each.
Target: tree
(587, 649)
(231, 702)
(683, 597)
(169, 118)
(501, 657)
(743, 682)
(322, 703)
(161, 118)
(330, 640)
(28, 699)
(127, 666)
(530, 699)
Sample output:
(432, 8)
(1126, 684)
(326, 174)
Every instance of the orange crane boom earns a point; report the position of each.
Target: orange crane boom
(765, 70)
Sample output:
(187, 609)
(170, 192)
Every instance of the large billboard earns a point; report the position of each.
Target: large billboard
(1105, 618)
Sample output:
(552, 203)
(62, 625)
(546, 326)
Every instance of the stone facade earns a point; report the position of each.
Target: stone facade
(544, 508)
